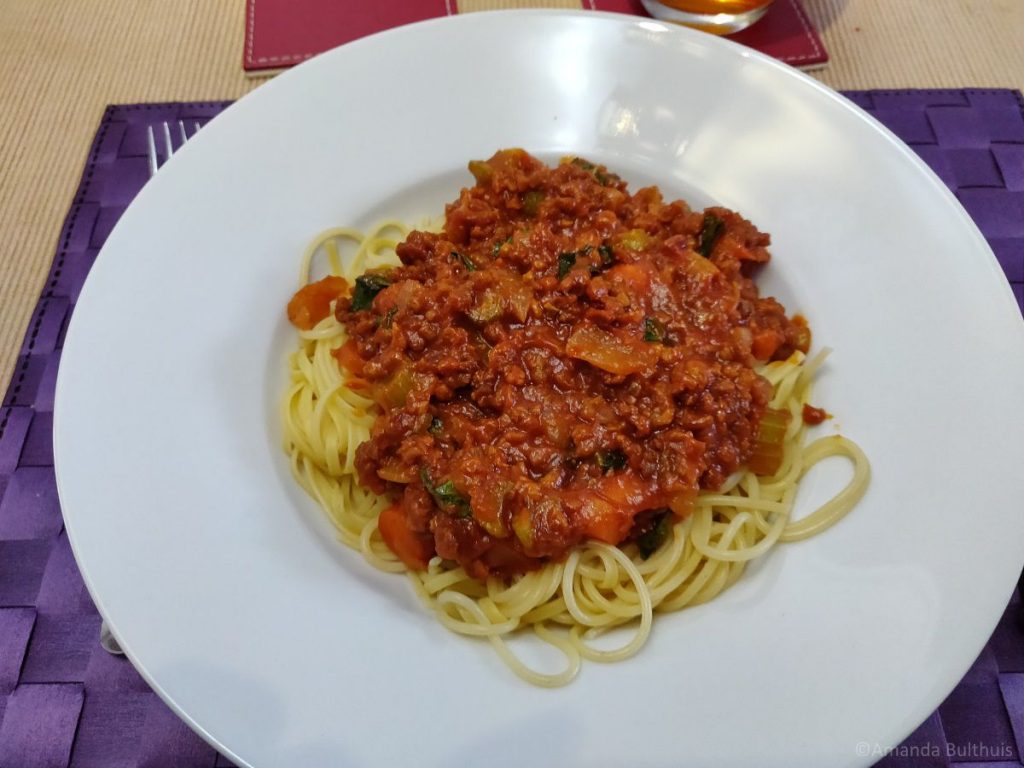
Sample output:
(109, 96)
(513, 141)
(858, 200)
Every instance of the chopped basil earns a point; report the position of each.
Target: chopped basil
(607, 259)
(654, 329)
(466, 261)
(710, 231)
(367, 287)
(436, 425)
(649, 542)
(566, 261)
(446, 496)
(603, 177)
(608, 460)
(389, 317)
(496, 249)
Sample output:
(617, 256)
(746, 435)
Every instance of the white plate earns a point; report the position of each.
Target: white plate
(282, 648)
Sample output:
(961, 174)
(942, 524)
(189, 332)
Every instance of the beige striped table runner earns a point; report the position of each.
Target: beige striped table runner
(62, 62)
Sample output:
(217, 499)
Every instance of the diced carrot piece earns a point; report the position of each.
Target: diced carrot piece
(502, 558)
(633, 275)
(764, 344)
(801, 333)
(682, 503)
(608, 514)
(358, 385)
(604, 522)
(412, 548)
(312, 303)
(348, 357)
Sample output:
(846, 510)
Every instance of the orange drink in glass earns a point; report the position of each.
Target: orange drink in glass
(721, 17)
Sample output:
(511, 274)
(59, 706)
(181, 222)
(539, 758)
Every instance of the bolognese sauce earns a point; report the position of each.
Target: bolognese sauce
(565, 360)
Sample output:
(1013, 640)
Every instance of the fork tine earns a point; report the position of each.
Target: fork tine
(151, 150)
(167, 140)
(109, 642)
(197, 127)
(181, 132)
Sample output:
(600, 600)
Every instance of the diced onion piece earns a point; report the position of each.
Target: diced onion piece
(482, 171)
(396, 473)
(523, 526)
(518, 301)
(396, 391)
(488, 308)
(609, 352)
(768, 449)
(487, 500)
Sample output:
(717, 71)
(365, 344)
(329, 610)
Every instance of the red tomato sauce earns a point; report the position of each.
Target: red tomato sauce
(564, 361)
(814, 416)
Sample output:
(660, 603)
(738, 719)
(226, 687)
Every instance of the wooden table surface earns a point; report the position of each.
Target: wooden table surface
(63, 62)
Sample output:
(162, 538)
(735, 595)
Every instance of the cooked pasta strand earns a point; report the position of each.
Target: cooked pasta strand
(599, 587)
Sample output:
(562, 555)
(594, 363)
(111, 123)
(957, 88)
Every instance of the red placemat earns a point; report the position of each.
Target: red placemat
(64, 701)
(280, 33)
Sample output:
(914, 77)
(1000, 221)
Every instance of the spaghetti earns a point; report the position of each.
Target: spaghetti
(597, 587)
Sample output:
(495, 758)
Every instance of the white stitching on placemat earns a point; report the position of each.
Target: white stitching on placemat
(249, 32)
(296, 57)
(292, 57)
(289, 57)
(806, 24)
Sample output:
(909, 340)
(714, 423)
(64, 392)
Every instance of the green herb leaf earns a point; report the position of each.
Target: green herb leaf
(566, 261)
(532, 201)
(446, 496)
(599, 173)
(436, 425)
(367, 287)
(466, 261)
(649, 542)
(710, 231)
(654, 329)
(607, 259)
(389, 317)
(496, 248)
(608, 460)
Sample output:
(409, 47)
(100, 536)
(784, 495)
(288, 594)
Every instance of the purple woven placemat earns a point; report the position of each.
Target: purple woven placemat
(66, 702)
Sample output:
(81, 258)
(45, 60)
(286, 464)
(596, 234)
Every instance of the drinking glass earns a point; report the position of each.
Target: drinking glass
(721, 17)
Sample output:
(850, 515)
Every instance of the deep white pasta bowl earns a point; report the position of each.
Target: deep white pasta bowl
(224, 584)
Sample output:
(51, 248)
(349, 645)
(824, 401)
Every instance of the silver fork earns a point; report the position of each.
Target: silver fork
(163, 130)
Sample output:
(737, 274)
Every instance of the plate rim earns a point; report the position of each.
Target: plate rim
(734, 48)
